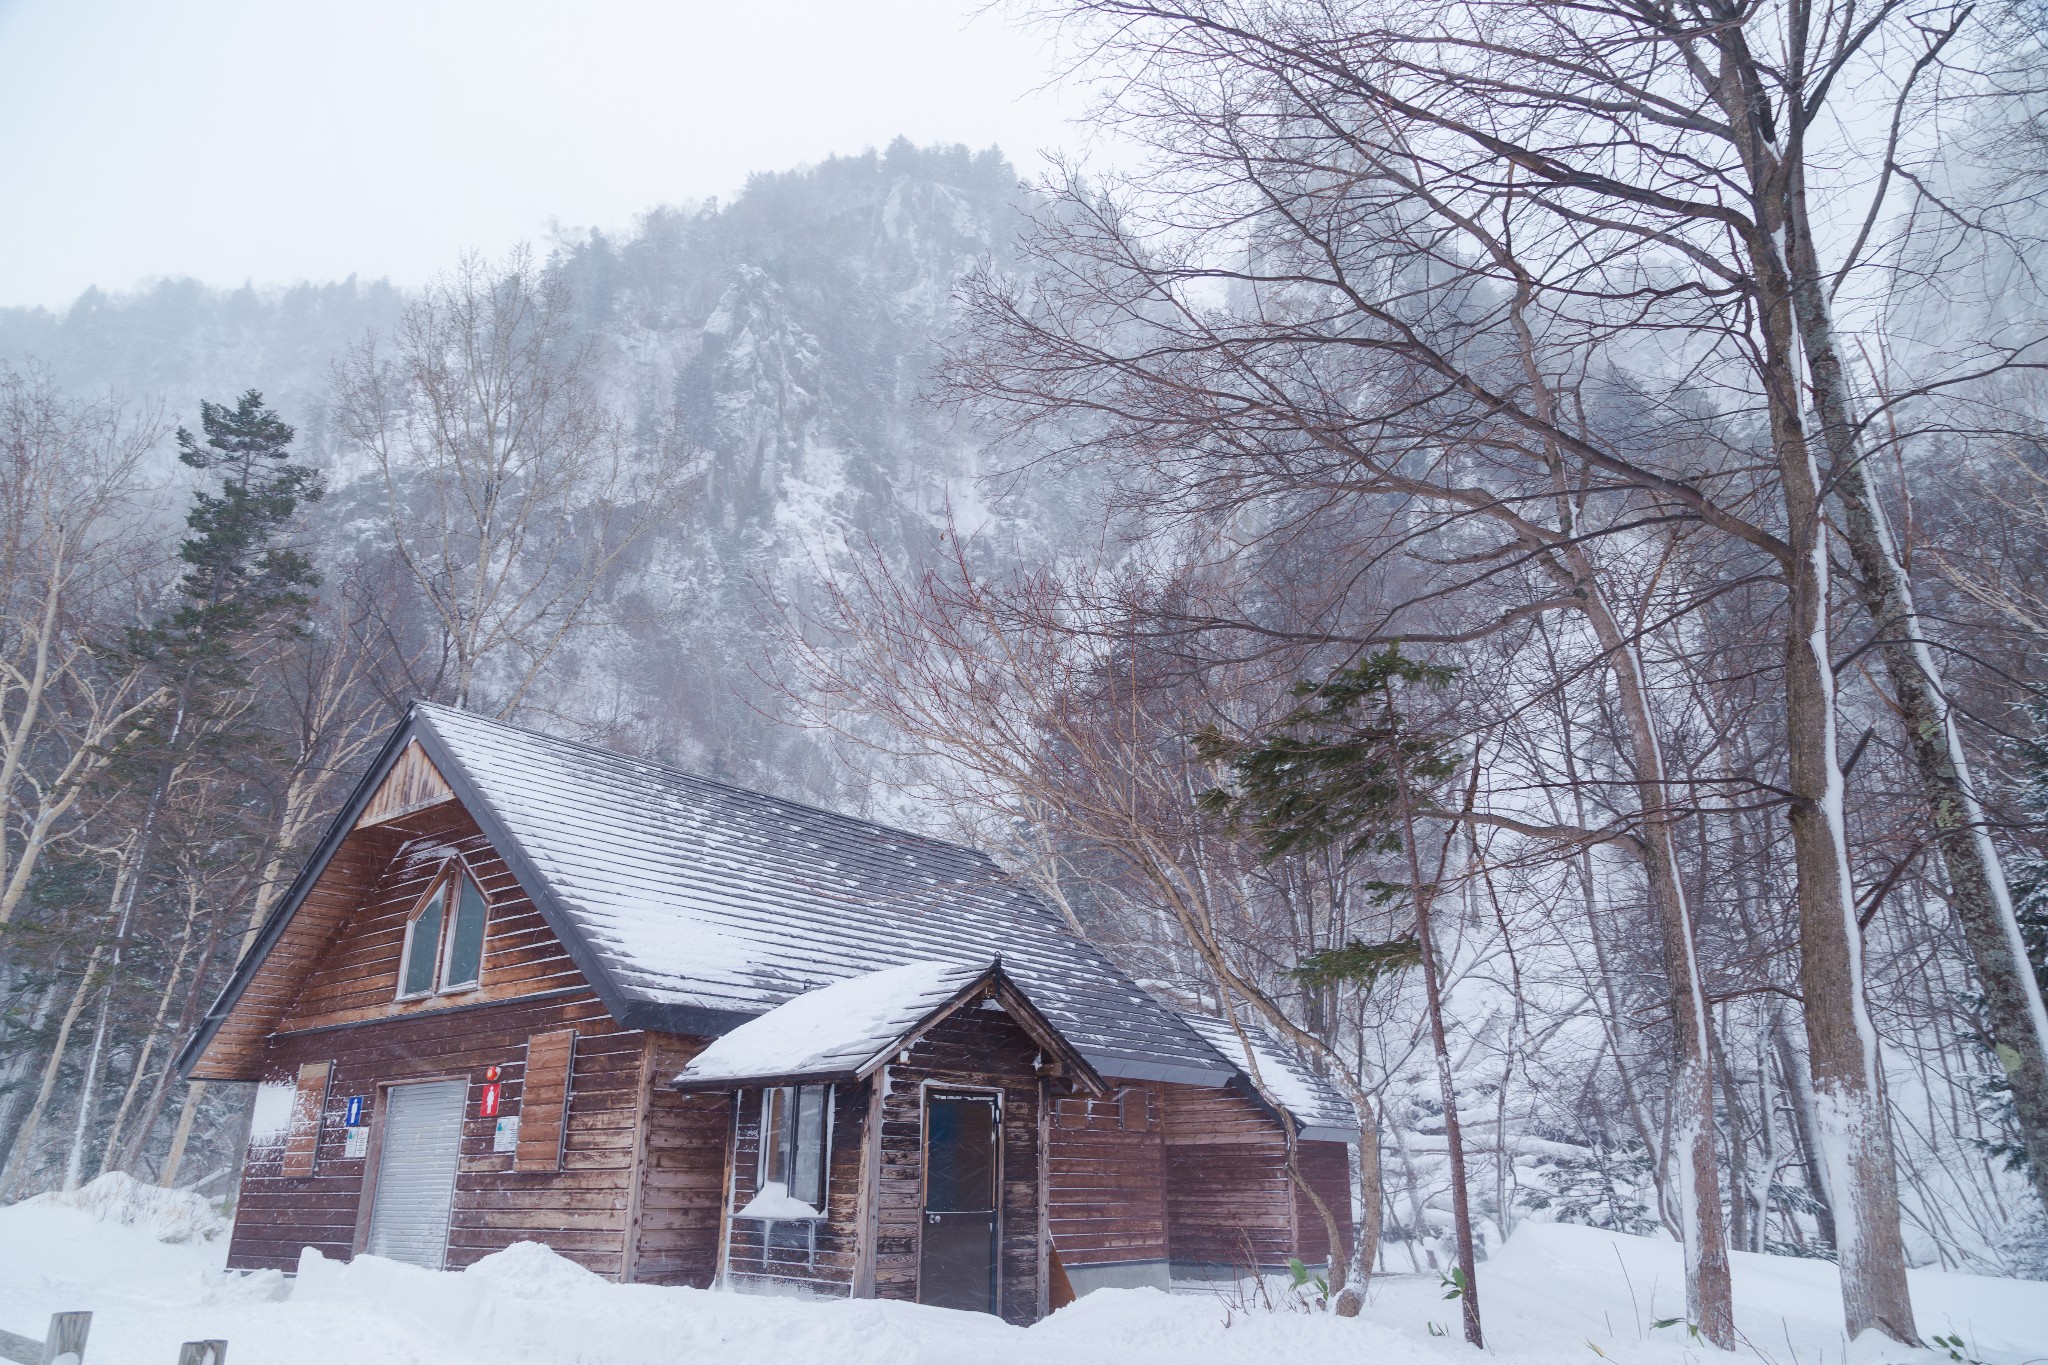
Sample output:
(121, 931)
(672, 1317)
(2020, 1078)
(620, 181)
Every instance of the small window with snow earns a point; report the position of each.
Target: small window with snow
(795, 1132)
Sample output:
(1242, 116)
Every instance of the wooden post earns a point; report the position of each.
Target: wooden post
(1045, 1257)
(868, 1218)
(65, 1343)
(210, 1352)
(637, 1180)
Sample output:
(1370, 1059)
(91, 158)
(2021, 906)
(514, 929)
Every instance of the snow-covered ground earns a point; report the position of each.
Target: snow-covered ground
(1554, 1293)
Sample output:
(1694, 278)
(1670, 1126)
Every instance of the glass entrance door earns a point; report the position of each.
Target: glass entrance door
(957, 1255)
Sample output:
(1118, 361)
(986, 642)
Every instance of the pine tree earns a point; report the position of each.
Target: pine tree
(244, 583)
(1345, 769)
(244, 589)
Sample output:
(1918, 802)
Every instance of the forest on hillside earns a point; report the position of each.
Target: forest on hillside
(1514, 556)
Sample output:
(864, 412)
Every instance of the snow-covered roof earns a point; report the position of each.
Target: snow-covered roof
(693, 905)
(835, 1030)
(1283, 1077)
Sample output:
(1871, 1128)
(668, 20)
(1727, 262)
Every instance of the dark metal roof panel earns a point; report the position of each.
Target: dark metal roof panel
(709, 902)
(1284, 1078)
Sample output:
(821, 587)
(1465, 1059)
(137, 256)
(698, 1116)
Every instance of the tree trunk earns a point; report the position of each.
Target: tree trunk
(1709, 1293)
(1340, 1259)
(1976, 878)
(1454, 1136)
(25, 1138)
(182, 1134)
(1854, 1132)
(1739, 1210)
(14, 1072)
(1806, 1129)
(113, 1155)
(145, 839)
(1370, 1200)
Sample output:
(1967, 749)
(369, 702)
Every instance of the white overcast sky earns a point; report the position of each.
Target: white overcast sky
(279, 140)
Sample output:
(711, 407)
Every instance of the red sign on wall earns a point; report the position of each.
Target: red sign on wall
(488, 1107)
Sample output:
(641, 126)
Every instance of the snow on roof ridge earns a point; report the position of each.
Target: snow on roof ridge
(598, 751)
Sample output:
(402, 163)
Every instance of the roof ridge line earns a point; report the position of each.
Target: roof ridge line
(422, 704)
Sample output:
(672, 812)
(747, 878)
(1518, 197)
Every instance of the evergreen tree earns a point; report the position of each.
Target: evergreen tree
(244, 589)
(244, 583)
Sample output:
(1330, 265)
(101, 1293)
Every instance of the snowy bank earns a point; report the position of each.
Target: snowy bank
(166, 1215)
(1553, 1294)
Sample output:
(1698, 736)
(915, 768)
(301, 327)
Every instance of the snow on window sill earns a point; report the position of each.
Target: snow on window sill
(773, 1202)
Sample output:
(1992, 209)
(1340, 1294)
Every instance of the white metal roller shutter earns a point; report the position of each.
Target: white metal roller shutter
(416, 1172)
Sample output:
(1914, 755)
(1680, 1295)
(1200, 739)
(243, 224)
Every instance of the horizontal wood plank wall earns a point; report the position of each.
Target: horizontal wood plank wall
(1327, 1168)
(1107, 1170)
(818, 1256)
(356, 977)
(976, 1048)
(236, 1052)
(581, 1211)
(682, 1172)
(1229, 1202)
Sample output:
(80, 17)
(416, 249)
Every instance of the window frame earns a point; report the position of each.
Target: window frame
(792, 1108)
(447, 884)
(459, 876)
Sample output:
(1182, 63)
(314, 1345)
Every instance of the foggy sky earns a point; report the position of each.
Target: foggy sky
(306, 139)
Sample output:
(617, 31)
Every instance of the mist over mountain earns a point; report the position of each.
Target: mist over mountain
(792, 334)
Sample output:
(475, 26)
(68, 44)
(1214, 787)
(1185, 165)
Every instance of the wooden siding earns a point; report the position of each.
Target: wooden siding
(1327, 1168)
(682, 1172)
(337, 960)
(236, 1051)
(413, 783)
(818, 1255)
(1107, 1173)
(1229, 1200)
(582, 1211)
(971, 1048)
(355, 978)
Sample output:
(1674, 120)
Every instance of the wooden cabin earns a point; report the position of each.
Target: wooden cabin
(682, 1033)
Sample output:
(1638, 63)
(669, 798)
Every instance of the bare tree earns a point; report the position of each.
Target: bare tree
(511, 491)
(994, 700)
(1396, 206)
(73, 558)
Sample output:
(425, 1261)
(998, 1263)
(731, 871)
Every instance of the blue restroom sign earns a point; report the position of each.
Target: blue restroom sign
(355, 1111)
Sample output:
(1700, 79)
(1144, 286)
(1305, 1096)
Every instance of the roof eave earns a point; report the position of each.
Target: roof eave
(695, 1084)
(1324, 1132)
(1015, 1002)
(1131, 1069)
(280, 915)
(690, 1021)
